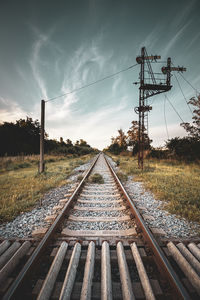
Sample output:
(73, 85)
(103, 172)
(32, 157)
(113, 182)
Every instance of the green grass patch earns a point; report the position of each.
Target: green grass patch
(21, 187)
(122, 176)
(96, 178)
(176, 183)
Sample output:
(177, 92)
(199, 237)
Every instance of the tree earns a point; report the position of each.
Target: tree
(194, 130)
(114, 148)
(69, 142)
(83, 143)
(133, 137)
(187, 148)
(121, 140)
(20, 137)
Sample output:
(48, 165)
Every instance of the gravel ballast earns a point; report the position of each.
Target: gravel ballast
(175, 227)
(23, 225)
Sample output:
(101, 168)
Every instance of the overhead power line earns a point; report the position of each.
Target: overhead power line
(183, 94)
(174, 109)
(165, 118)
(190, 84)
(92, 83)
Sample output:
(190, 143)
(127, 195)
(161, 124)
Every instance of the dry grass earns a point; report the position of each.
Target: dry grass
(176, 183)
(96, 178)
(21, 186)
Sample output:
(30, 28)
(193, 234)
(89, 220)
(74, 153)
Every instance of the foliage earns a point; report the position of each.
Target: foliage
(194, 130)
(121, 142)
(187, 148)
(115, 148)
(97, 178)
(23, 137)
(159, 153)
(122, 176)
(80, 177)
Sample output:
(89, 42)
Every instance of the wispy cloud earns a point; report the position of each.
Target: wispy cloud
(83, 67)
(152, 38)
(193, 41)
(43, 41)
(97, 128)
(35, 63)
(183, 14)
(175, 39)
(10, 111)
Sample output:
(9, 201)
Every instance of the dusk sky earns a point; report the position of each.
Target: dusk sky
(49, 48)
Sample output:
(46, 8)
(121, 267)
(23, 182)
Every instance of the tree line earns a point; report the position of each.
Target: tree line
(186, 148)
(23, 137)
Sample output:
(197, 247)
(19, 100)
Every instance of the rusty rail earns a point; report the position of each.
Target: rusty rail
(22, 277)
(159, 256)
(161, 259)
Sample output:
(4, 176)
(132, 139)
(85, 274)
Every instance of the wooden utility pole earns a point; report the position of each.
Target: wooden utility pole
(41, 166)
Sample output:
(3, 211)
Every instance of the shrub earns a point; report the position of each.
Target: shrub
(97, 178)
(122, 176)
(79, 178)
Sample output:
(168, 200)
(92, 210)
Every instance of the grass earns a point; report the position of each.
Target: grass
(122, 176)
(21, 186)
(97, 178)
(177, 184)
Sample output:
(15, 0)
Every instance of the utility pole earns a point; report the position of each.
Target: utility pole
(150, 86)
(41, 165)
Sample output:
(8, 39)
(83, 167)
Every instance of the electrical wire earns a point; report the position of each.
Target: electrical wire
(165, 118)
(183, 94)
(198, 92)
(92, 83)
(174, 109)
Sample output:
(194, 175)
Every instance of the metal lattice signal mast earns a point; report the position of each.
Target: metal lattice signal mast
(148, 88)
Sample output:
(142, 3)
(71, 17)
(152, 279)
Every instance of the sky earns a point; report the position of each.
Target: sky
(49, 48)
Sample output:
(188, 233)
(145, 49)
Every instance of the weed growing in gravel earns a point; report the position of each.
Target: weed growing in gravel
(122, 176)
(21, 188)
(176, 183)
(96, 178)
(79, 178)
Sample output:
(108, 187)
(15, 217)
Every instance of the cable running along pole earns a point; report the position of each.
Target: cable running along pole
(150, 86)
(41, 163)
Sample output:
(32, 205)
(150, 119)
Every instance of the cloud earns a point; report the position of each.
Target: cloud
(193, 41)
(175, 39)
(95, 127)
(180, 18)
(43, 41)
(82, 68)
(159, 133)
(152, 38)
(35, 63)
(11, 111)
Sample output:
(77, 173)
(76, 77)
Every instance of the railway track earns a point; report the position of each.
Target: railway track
(98, 247)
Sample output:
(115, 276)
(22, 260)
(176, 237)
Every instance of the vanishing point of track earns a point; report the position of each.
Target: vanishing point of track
(98, 247)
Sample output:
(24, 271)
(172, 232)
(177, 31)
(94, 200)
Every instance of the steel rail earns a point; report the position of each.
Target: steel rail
(28, 267)
(161, 259)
